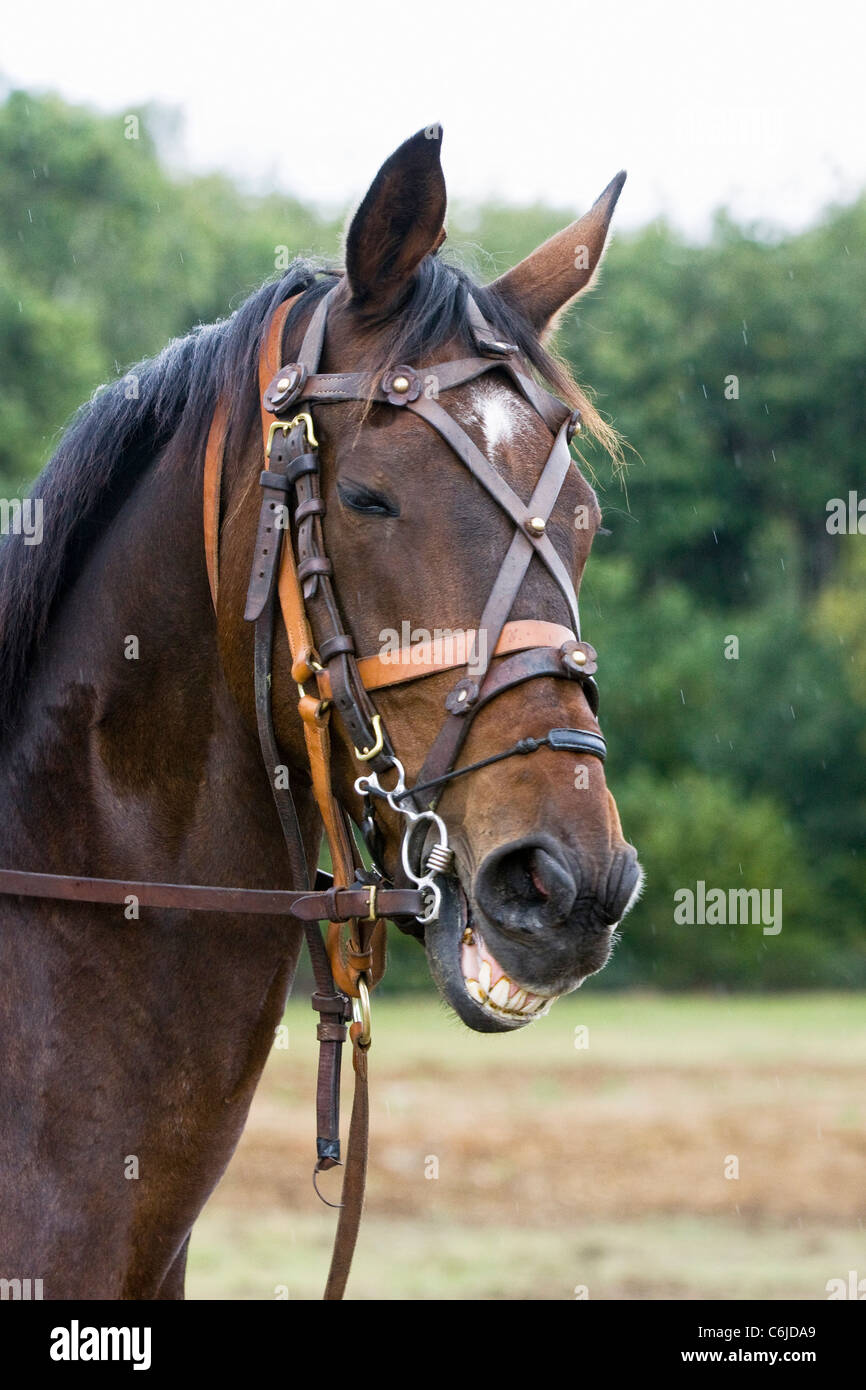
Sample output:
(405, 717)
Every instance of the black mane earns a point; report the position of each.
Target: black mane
(116, 435)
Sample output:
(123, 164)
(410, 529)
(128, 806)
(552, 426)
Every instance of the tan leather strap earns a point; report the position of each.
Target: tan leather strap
(213, 472)
(421, 659)
(269, 364)
(270, 360)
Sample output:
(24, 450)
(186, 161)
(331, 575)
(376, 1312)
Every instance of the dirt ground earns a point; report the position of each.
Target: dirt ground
(622, 1147)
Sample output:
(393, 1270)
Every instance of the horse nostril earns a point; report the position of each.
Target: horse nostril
(525, 885)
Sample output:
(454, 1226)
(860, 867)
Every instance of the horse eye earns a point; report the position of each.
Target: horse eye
(362, 499)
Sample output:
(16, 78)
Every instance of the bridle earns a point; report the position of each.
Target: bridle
(292, 572)
(513, 652)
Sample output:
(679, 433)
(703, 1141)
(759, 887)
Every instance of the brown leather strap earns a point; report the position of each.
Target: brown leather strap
(315, 718)
(333, 387)
(331, 1005)
(355, 1175)
(415, 662)
(314, 338)
(501, 598)
(340, 904)
(467, 450)
(513, 670)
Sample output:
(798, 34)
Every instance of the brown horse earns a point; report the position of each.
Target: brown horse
(132, 1046)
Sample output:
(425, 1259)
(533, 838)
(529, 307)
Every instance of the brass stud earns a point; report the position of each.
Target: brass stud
(578, 657)
(462, 695)
(400, 384)
(536, 525)
(283, 384)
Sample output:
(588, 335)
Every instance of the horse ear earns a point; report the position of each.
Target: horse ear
(551, 277)
(399, 222)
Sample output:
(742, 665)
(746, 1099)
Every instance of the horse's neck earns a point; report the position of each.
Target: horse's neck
(138, 762)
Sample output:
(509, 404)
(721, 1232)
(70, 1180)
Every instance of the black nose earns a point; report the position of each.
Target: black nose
(525, 886)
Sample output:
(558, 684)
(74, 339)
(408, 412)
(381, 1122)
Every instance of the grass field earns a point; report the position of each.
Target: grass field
(598, 1167)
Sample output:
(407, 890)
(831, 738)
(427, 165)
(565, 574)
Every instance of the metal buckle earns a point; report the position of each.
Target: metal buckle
(305, 419)
(371, 915)
(364, 755)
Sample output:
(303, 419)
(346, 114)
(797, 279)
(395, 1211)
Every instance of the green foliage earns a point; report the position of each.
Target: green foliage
(745, 771)
(104, 257)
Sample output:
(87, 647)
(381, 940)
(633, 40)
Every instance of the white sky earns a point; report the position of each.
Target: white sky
(757, 104)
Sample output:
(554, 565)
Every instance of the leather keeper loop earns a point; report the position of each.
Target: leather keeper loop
(314, 506)
(329, 1004)
(359, 960)
(331, 1032)
(304, 666)
(311, 710)
(335, 646)
(276, 481)
(304, 463)
(315, 564)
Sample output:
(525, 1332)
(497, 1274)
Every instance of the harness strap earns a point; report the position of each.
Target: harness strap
(355, 1174)
(574, 740)
(216, 441)
(366, 946)
(512, 572)
(513, 670)
(330, 1005)
(420, 660)
(340, 904)
(468, 452)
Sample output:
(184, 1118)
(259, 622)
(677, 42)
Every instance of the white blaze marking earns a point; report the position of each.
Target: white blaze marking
(500, 412)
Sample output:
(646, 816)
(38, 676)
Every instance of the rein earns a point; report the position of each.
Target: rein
(291, 573)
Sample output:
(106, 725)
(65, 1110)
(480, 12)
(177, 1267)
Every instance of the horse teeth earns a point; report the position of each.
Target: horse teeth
(519, 1000)
(499, 992)
(476, 992)
(485, 976)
